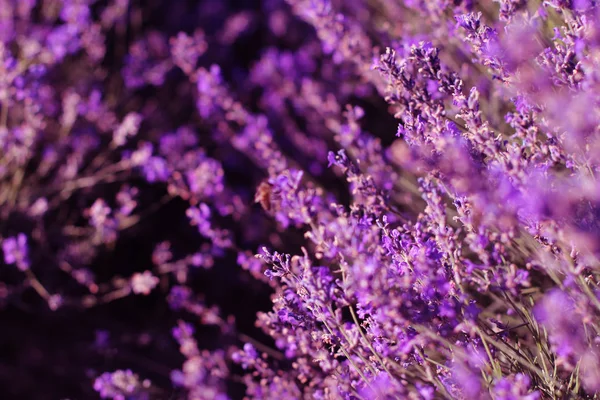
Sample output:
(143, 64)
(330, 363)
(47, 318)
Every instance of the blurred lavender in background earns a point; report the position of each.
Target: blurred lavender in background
(299, 199)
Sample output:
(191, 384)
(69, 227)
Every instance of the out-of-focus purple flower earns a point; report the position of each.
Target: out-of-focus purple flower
(557, 313)
(589, 370)
(102, 219)
(162, 253)
(116, 11)
(203, 372)
(235, 26)
(200, 217)
(515, 387)
(143, 283)
(140, 156)
(156, 169)
(99, 212)
(209, 89)
(178, 296)
(206, 179)
(16, 251)
(468, 381)
(147, 62)
(246, 357)
(128, 128)
(39, 207)
(186, 50)
(62, 41)
(126, 198)
(382, 387)
(122, 385)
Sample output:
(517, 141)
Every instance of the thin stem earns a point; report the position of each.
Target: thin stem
(362, 375)
(586, 288)
(495, 367)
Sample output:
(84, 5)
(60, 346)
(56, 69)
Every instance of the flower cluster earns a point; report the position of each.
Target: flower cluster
(300, 199)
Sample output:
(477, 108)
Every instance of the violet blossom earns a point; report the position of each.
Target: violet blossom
(300, 199)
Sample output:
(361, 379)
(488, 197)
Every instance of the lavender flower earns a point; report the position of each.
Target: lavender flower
(121, 385)
(128, 128)
(418, 178)
(16, 251)
(143, 283)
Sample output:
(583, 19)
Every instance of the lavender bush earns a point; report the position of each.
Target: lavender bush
(300, 199)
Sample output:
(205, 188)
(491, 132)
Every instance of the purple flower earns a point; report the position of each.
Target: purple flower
(143, 283)
(121, 385)
(156, 169)
(590, 370)
(128, 128)
(515, 387)
(557, 313)
(186, 50)
(16, 251)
